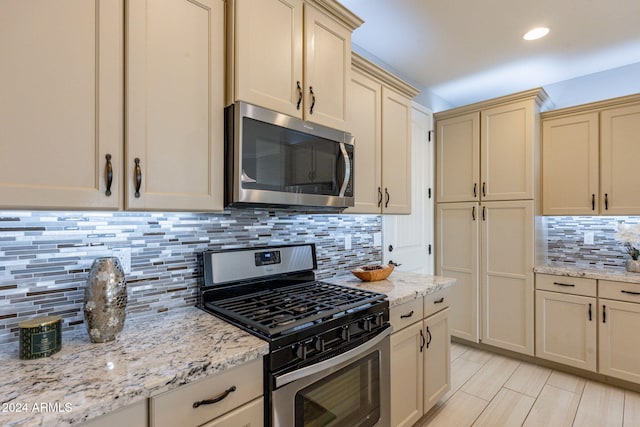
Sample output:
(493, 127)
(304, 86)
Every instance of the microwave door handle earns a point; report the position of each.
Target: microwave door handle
(347, 169)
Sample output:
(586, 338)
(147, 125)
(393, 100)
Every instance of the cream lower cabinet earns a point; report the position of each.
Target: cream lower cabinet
(619, 323)
(241, 389)
(380, 121)
(134, 415)
(457, 256)
(61, 103)
(566, 320)
(174, 104)
(292, 56)
(488, 248)
(420, 357)
(506, 275)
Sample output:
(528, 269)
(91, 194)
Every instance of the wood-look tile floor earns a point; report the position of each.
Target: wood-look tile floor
(491, 390)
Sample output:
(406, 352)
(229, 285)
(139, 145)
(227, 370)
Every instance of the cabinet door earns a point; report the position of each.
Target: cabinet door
(458, 158)
(249, 415)
(507, 151)
(396, 152)
(507, 275)
(619, 154)
(566, 329)
(570, 165)
(457, 233)
(437, 359)
(327, 69)
(61, 89)
(618, 344)
(366, 127)
(175, 83)
(407, 375)
(267, 36)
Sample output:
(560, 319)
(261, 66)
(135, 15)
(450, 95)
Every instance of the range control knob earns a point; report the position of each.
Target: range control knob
(318, 344)
(366, 324)
(300, 350)
(378, 320)
(345, 334)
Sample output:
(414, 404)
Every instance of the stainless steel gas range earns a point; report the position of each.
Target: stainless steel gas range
(328, 363)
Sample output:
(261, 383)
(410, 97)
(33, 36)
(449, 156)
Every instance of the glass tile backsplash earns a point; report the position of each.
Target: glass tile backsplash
(566, 240)
(45, 256)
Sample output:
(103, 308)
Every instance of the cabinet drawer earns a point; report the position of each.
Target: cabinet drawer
(405, 314)
(566, 284)
(436, 301)
(621, 291)
(175, 407)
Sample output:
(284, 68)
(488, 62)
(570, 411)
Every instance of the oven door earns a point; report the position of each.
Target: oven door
(348, 390)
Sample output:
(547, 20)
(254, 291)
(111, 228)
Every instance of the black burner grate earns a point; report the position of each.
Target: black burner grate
(275, 311)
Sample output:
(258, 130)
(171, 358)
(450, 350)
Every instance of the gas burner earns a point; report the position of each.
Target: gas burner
(301, 309)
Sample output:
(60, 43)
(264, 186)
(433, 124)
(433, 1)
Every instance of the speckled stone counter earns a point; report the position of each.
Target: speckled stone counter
(153, 354)
(615, 274)
(400, 286)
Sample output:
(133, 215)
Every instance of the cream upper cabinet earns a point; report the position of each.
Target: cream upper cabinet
(366, 126)
(570, 165)
(507, 153)
(61, 104)
(507, 289)
(588, 163)
(175, 89)
(619, 154)
(488, 151)
(267, 47)
(292, 56)
(396, 152)
(458, 158)
(457, 256)
(380, 121)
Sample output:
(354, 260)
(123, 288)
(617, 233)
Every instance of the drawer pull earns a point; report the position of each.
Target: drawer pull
(405, 316)
(439, 301)
(570, 285)
(630, 292)
(215, 399)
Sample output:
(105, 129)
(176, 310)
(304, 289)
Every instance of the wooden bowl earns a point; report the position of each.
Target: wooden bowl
(373, 273)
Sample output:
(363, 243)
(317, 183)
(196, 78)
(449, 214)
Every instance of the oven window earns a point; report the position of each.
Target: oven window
(349, 397)
(284, 160)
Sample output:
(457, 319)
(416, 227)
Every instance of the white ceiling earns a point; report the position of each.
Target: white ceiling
(465, 51)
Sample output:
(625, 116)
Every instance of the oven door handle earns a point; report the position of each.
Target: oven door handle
(334, 361)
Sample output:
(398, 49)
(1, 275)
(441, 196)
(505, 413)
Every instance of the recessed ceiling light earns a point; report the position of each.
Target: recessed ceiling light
(536, 33)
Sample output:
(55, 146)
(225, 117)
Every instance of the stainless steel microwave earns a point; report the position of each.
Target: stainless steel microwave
(275, 159)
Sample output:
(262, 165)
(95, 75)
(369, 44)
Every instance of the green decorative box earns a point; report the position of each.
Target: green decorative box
(40, 337)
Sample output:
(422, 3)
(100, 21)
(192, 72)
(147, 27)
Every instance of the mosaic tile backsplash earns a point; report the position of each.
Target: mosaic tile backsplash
(45, 256)
(566, 235)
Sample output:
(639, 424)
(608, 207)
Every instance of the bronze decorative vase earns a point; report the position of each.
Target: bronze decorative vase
(105, 299)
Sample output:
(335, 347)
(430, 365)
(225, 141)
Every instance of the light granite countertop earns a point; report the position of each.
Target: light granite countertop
(153, 354)
(614, 274)
(400, 286)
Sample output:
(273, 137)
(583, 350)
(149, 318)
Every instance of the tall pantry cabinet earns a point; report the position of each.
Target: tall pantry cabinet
(486, 163)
